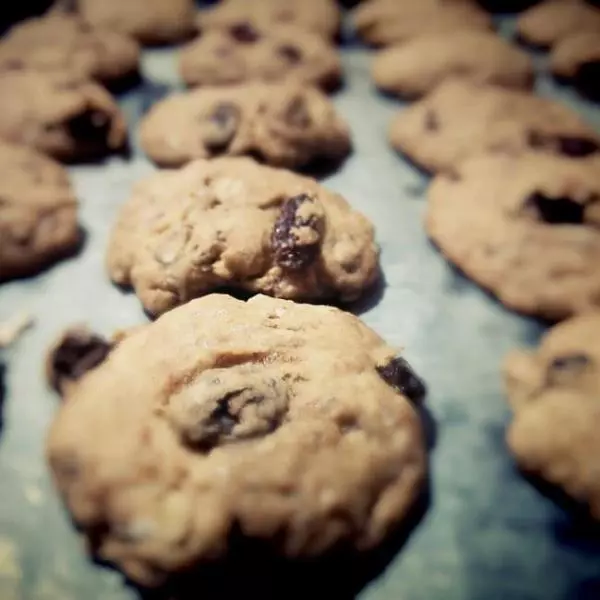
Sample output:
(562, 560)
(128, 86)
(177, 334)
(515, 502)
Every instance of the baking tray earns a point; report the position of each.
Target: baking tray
(487, 533)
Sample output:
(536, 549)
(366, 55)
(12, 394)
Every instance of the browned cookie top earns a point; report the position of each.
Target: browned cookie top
(60, 114)
(149, 21)
(38, 212)
(246, 52)
(233, 223)
(417, 66)
(321, 17)
(60, 41)
(527, 228)
(548, 22)
(284, 124)
(283, 423)
(554, 391)
(385, 22)
(461, 118)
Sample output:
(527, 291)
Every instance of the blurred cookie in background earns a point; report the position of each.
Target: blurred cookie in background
(321, 17)
(554, 391)
(283, 124)
(415, 67)
(245, 52)
(151, 22)
(526, 228)
(64, 41)
(461, 118)
(547, 23)
(387, 22)
(60, 114)
(38, 212)
(576, 60)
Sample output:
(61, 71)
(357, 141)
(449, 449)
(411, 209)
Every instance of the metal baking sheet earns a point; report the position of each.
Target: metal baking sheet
(487, 534)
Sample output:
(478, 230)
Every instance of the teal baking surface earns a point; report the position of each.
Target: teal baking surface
(487, 534)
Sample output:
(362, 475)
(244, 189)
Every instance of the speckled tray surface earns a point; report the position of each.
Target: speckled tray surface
(487, 534)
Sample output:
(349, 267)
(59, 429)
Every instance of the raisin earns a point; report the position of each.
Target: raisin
(400, 375)
(78, 351)
(296, 238)
(222, 125)
(563, 369)
(555, 211)
(244, 33)
(91, 125)
(587, 79)
(577, 147)
(431, 121)
(297, 114)
(290, 53)
(574, 147)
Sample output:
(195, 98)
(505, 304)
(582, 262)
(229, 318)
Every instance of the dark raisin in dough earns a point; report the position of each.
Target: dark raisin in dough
(223, 125)
(244, 33)
(556, 211)
(399, 374)
(291, 251)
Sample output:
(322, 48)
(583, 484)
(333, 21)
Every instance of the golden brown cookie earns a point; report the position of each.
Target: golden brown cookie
(38, 212)
(260, 53)
(232, 223)
(576, 59)
(149, 21)
(62, 41)
(526, 228)
(461, 118)
(554, 391)
(284, 124)
(386, 22)
(414, 68)
(321, 17)
(62, 115)
(547, 23)
(264, 421)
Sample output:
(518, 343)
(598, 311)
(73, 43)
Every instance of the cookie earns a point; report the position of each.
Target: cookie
(62, 115)
(526, 228)
(247, 53)
(60, 41)
(38, 212)
(264, 422)
(151, 22)
(462, 118)
(179, 236)
(386, 22)
(547, 23)
(576, 59)
(284, 124)
(554, 392)
(321, 17)
(414, 68)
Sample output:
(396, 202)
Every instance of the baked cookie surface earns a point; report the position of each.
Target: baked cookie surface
(414, 68)
(526, 228)
(62, 41)
(62, 115)
(179, 236)
(245, 53)
(321, 17)
(460, 118)
(554, 391)
(38, 212)
(576, 59)
(265, 419)
(547, 23)
(149, 21)
(387, 22)
(284, 124)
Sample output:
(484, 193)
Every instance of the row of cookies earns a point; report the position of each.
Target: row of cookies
(515, 204)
